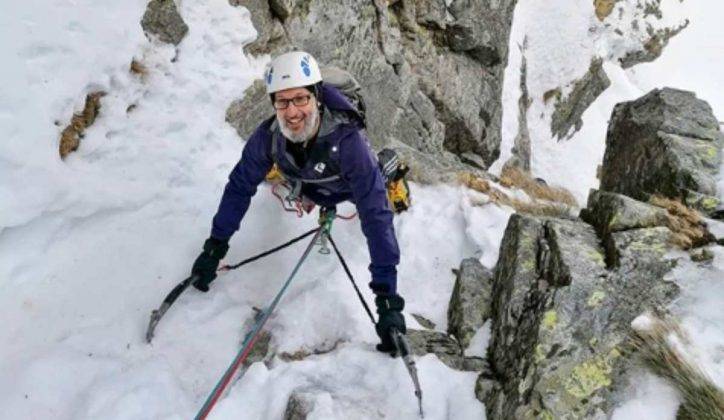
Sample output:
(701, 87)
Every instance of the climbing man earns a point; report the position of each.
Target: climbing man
(316, 141)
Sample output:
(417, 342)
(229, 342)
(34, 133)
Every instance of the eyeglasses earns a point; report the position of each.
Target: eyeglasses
(297, 101)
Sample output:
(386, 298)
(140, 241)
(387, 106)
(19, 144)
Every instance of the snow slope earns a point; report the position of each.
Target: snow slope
(90, 245)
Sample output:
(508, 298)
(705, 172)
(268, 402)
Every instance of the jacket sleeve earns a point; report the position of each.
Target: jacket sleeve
(359, 169)
(244, 179)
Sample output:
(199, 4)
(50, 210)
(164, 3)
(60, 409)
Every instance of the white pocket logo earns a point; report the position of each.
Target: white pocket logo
(319, 168)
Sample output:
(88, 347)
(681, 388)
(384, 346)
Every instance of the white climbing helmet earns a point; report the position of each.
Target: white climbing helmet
(291, 70)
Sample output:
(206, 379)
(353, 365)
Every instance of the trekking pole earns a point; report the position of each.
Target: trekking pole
(156, 314)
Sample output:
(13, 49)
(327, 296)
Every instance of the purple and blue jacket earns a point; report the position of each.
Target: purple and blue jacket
(342, 158)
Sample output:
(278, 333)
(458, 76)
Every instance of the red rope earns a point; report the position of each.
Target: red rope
(227, 378)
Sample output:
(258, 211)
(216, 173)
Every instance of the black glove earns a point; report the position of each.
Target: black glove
(389, 309)
(206, 264)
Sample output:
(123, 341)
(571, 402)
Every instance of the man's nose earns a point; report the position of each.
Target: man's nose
(292, 110)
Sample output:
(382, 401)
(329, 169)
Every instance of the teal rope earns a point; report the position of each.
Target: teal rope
(251, 337)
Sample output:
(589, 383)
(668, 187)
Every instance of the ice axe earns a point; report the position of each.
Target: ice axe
(403, 350)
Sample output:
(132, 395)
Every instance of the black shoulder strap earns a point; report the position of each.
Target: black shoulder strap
(324, 155)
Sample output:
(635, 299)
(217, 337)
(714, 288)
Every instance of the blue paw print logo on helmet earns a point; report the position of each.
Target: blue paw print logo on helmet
(305, 66)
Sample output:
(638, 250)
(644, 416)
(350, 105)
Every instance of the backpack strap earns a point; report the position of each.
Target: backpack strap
(325, 158)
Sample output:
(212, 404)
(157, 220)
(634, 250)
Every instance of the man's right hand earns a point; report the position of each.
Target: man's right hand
(207, 263)
(389, 309)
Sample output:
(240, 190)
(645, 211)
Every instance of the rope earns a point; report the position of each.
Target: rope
(251, 338)
(265, 253)
(349, 275)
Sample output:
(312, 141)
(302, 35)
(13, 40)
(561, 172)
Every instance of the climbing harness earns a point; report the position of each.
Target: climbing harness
(293, 201)
(392, 169)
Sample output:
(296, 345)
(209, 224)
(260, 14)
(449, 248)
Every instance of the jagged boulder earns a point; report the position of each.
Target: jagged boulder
(403, 53)
(610, 212)
(667, 142)
(469, 306)
(629, 246)
(445, 347)
(561, 318)
(163, 20)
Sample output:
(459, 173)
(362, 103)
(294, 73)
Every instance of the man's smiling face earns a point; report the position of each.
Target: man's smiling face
(297, 113)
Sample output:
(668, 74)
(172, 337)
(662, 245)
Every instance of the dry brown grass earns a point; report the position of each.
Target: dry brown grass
(71, 135)
(534, 207)
(659, 345)
(686, 223)
(512, 177)
(138, 68)
(603, 8)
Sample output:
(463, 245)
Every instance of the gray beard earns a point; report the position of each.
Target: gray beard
(309, 130)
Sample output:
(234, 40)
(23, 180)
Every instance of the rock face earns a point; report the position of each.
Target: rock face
(561, 318)
(654, 45)
(163, 20)
(520, 153)
(566, 119)
(610, 212)
(445, 347)
(667, 142)
(469, 306)
(403, 53)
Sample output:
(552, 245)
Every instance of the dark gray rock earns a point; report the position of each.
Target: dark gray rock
(403, 53)
(424, 322)
(163, 20)
(432, 14)
(566, 119)
(654, 46)
(469, 306)
(702, 255)
(282, 9)
(299, 405)
(667, 142)
(635, 245)
(260, 351)
(638, 281)
(445, 347)
(521, 144)
(610, 212)
(270, 32)
(560, 319)
(246, 114)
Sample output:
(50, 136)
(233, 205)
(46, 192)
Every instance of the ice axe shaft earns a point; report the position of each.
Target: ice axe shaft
(403, 350)
(157, 314)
